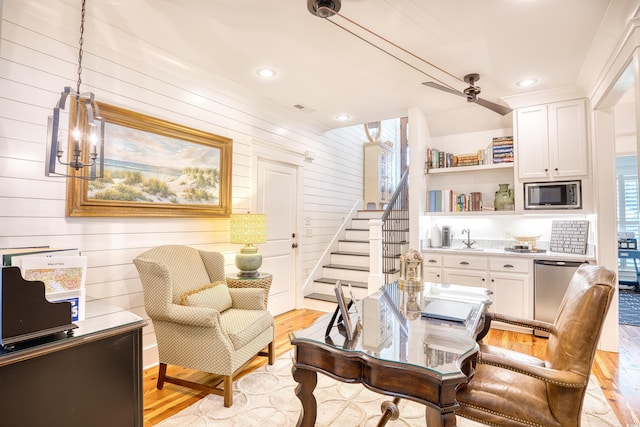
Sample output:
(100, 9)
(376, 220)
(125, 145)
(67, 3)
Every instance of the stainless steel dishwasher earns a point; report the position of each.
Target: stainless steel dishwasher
(550, 282)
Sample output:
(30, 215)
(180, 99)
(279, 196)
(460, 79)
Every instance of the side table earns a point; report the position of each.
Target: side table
(262, 281)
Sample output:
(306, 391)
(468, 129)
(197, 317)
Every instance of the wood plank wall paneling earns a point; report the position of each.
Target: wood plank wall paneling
(38, 55)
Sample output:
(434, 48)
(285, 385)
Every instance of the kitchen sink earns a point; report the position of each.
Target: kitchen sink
(471, 249)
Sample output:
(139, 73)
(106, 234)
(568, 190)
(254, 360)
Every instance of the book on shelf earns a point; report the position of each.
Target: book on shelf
(503, 160)
(435, 201)
(13, 256)
(476, 201)
(500, 150)
(502, 140)
(63, 277)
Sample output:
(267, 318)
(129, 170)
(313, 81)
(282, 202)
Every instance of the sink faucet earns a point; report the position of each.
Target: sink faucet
(468, 243)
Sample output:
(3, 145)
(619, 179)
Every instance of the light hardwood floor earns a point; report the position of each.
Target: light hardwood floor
(617, 373)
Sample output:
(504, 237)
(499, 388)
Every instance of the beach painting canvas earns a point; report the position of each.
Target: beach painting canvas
(157, 168)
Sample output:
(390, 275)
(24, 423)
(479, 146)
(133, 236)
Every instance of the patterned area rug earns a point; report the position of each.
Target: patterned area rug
(629, 308)
(266, 397)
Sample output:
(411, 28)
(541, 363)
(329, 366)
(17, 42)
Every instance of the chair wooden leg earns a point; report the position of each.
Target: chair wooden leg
(162, 372)
(228, 391)
(272, 354)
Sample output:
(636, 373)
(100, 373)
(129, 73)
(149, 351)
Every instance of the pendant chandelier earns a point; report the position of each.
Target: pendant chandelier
(82, 135)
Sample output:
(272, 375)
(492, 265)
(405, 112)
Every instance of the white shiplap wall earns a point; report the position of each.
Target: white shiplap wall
(38, 57)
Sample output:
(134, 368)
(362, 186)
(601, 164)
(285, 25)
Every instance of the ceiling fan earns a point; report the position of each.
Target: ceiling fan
(471, 93)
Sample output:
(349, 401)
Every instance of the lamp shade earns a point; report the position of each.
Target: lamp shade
(248, 228)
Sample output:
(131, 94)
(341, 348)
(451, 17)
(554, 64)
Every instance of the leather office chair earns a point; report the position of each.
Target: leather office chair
(514, 389)
(199, 322)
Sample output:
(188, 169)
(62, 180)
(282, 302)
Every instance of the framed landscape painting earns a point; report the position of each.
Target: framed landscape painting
(155, 168)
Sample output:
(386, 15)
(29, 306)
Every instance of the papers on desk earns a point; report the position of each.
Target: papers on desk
(442, 309)
(63, 277)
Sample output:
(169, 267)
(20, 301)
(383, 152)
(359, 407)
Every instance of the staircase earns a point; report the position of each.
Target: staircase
(351, 262)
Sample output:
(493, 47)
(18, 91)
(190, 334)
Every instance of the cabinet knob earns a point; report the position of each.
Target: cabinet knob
(546, 170)
(493, 280)
(464, 263)
(483, 279)
(507, 266)
(556, 169)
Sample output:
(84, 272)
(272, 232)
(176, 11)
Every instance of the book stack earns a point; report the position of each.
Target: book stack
(467, 159)
(449, 201)
(63, 272)
(438, 159)
(502, 149)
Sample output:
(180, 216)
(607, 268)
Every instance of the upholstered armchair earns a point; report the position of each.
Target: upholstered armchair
(514, 389)
(199, 322)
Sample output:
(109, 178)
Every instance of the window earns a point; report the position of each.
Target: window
(628, 219)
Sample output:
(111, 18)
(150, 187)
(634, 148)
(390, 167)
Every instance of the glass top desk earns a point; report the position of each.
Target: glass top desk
(395, 351)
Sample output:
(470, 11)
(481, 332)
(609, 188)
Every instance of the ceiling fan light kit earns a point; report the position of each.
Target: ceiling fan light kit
(324, 8)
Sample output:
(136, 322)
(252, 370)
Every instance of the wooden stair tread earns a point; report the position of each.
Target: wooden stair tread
(322, 297)
(344, 282)
(350, 253)
(346, 267)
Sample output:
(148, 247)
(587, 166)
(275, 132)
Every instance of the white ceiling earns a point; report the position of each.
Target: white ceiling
(329, 71)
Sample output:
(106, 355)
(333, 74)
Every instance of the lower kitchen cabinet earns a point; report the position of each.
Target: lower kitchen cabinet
(468, 270)
(433, 268)
(475, 278)
(509, 278)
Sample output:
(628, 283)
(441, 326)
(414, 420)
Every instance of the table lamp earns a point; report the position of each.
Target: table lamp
(248, 229)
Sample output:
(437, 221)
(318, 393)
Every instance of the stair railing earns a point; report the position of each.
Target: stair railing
(395, 228)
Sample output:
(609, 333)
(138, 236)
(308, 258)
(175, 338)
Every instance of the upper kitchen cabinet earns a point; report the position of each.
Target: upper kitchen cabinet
(551, 141)
(379, 174)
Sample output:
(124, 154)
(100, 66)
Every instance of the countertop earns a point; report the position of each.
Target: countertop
(493, 248)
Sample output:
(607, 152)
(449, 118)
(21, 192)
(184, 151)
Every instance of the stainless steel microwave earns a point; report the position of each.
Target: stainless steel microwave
(553, 195)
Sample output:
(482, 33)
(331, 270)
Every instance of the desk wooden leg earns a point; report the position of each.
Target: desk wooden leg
(436, 418)
(307, 381)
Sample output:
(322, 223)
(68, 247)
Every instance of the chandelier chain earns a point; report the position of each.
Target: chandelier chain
(80, 51)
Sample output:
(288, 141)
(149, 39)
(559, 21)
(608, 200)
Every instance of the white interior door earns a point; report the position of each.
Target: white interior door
(277, 198)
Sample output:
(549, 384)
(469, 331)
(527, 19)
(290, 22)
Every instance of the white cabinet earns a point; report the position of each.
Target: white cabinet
(432, 268)
(379, 174)
(551, 140)
(465, 270)
(510, 280)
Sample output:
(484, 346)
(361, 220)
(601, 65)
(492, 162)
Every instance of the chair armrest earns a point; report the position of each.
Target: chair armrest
(247, 298)
(566, 379)
(191, 316)
(525, 323)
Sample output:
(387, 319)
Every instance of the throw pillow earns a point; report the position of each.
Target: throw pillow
(215, 295)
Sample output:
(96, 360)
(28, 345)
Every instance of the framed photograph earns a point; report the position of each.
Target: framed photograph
(344, 310)
(155, 168)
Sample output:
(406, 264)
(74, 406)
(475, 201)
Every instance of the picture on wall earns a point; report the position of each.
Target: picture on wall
(155, 168)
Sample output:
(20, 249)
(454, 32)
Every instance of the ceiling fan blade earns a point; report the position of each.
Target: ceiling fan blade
(444, 88)
(500, 109)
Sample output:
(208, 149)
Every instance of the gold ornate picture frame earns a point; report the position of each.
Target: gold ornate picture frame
(155, 168)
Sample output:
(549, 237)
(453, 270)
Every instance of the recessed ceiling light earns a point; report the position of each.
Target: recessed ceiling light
(343, 117)
(530, 81)
(266, 73)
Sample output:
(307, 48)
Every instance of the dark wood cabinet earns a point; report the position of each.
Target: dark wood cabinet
(93, 378)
